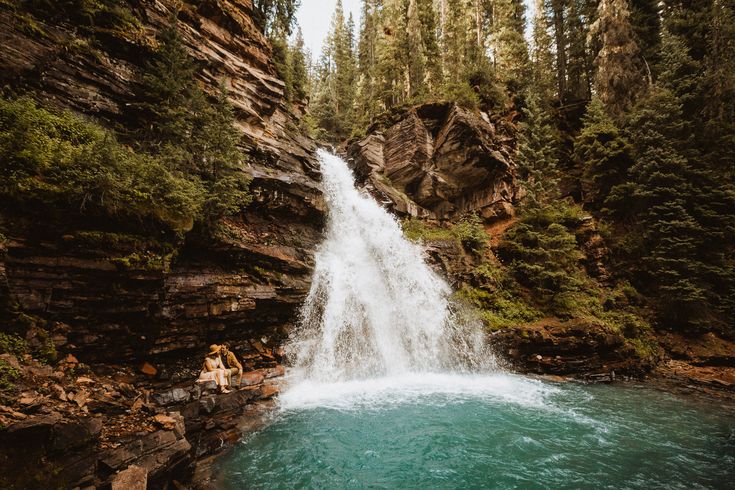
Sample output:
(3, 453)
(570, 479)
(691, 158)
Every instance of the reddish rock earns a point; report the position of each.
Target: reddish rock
(440, 161)
(252, 378)
(268, 391)
(70, 359)
(148, 369)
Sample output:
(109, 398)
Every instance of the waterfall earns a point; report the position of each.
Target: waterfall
(375, 307)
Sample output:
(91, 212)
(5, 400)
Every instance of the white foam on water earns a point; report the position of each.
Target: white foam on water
(428, 388)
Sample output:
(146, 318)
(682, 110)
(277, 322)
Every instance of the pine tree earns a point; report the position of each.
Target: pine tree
(298, 67)
(579, 59)
(333, 106)
(169, 92)
(417, 55)
(667, 223)
(604, 153)
(367, 104)
(275, 17)
(621, 75)
(511, 49)
(542, 57)
(430, 42)
(645, 18)
(538, 153)
(559, 14)
(191, 134)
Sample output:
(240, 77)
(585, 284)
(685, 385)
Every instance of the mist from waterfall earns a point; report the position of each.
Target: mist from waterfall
(375, 308)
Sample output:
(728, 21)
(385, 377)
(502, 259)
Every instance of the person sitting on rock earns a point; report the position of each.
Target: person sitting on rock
(233, 365)
(214, 370)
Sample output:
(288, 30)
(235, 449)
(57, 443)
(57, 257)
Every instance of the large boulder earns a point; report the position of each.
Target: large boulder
(439, 161)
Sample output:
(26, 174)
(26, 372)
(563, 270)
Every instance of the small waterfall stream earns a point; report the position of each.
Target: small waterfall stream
(375, 307)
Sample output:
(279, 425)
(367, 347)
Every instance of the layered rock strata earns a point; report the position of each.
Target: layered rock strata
(440, 161)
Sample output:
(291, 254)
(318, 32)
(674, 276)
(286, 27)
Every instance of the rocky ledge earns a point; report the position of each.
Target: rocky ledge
(574, 348)
(76, 426)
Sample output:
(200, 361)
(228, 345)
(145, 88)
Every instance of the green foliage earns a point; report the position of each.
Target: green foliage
(538, 154)
(333, 98)
(46, 352)
(499, 308)
(468, 232)
(416, 229)
(12, 344)
(604, 153)
(91, 16)
(462, 93)
(194, 135)
(276, 16)
(146, 260)
(543, 254)
(8, 376)
(471, 233)
(684, 217)
(64, 161)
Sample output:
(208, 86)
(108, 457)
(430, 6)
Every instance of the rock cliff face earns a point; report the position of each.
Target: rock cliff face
(113, 298)
(245, 284)
(440, 161)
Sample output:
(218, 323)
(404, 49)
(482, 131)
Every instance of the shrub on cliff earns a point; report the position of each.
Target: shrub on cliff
(468, 231)
(543, 254)
(64, 161)
(193, 133)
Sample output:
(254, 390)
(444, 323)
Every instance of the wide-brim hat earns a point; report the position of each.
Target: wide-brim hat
(214, 349)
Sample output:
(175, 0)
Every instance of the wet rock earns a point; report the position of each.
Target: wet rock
(268, 391)
(132, 478)
(576, 348)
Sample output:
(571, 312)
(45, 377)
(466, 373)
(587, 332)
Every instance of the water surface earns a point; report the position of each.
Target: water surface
(493, 431)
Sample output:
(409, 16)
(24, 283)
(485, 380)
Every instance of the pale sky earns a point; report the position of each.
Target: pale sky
(315, 16)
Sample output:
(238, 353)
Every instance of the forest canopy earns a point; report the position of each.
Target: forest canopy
(633, 101)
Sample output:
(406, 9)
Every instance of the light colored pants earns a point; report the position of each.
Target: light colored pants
(219, 376)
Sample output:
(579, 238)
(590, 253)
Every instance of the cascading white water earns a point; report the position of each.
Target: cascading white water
(375, 308)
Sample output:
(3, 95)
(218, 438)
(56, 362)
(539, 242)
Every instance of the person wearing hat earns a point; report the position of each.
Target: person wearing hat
(214, 370)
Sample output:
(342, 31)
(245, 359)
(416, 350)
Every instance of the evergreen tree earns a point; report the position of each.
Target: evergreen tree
(511, 49)
(579, 58)
(667, 224)
(193, 135)
(367, 104)
(645, 18)
(416, 53)
(538, 154)
(604, 154)
(559, 14)
(542, 57)
(621, 74)
(430, 43)
(275, 17)
(333, 106)
(169, 92)
(298, 67)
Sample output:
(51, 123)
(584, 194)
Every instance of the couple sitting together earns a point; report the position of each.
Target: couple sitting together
(214, 369)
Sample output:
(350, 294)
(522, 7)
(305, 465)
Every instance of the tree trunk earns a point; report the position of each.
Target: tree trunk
(561, 46)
